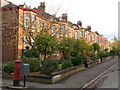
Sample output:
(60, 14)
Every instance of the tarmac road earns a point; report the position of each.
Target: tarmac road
(111, 81)
(75, 81)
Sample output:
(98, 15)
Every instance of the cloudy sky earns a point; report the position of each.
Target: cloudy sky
(102, 15)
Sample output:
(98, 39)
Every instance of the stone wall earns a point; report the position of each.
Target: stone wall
(56, 76)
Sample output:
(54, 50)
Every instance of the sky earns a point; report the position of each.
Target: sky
(102, 15)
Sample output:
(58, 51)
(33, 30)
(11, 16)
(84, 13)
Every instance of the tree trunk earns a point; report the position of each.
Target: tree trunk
(45, 56)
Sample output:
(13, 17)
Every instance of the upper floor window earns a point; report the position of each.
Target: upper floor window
(93, 37)
(33, 20)
(53, 28)
(105, 42)
(100, 40)
(39, 22)
(26, 19)
(81, 33)
(39, 25)
(89, 38)
(27, 15)
(27, 22)
(63, 27)
(76, 35)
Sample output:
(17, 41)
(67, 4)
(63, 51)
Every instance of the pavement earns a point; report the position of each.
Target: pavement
(77, 80)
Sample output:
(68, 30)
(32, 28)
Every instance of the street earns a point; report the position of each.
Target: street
(77, 80)
(109, 80)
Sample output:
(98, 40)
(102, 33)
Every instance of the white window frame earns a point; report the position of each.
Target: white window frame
(26, 19)
(33, 20)
(76, 35)
(63, 28)
(81, 33)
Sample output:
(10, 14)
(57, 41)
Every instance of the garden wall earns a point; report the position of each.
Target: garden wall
(107, 58)
(56, 76)
(92, 63)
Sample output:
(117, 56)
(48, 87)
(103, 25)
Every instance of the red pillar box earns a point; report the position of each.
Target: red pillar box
(16, 81)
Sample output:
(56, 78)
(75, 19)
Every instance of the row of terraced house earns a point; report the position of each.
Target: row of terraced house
(13, 16)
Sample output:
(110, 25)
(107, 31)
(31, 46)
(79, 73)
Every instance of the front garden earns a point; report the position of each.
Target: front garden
(77, 55)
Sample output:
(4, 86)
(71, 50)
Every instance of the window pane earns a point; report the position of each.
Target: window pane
(81, 33)
(26, 19)
(76, 34)
(26, 22)
(63, 27)
(27, 15)
(53, 29)
(33, 20)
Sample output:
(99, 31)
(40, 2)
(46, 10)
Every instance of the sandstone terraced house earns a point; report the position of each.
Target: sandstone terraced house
(15, 17)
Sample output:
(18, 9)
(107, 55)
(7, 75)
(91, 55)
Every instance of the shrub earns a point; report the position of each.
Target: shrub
(77, 60)
(49, 66)
(9, 67)
(113, 52)
(30, 53)
(94, 57)
(60, 67)
(88, 59)
(60, 61)
(67, 64)
(33, 62)
(102, 54)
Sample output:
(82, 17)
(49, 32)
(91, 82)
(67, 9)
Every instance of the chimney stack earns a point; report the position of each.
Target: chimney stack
(89, 28)
(30, 7)
(24, 3)
(41, 8)
(64, 16)
(79, 23)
